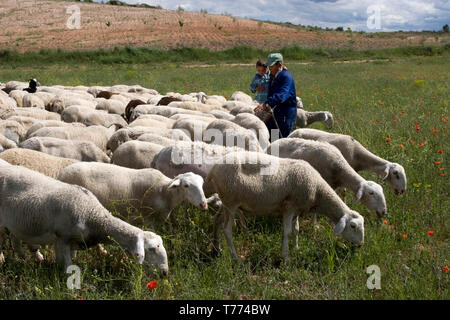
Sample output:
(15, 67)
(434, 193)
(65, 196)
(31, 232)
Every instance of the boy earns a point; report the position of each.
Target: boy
(260, 82)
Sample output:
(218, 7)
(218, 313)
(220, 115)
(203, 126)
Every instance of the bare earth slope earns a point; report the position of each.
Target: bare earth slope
(30, 25)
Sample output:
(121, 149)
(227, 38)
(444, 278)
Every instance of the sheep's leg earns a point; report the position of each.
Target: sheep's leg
(63, 253)
(16, 244)
(2, 238)
(287, 229)
(296, 232)
(228, 231)
(217, 226)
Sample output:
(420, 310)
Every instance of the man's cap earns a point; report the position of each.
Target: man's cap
(274, 58)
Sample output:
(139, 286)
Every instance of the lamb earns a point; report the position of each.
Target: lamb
(51, 123)
(37, 161)
(252, 122)
(40, 210)
(194, 128)
(359, 157)
(222, 115)
(12, 130)
(33, 113)
(136, 154)
(333, 168)
(78, 150)
(110, 182)
(6, 143)
(223, 132)
(99, 135)
(306, 118)
(132, 133)
(241, 96)
(111, 106)
(30, 100)
(293, 190)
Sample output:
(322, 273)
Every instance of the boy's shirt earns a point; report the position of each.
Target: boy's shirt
(261, 96)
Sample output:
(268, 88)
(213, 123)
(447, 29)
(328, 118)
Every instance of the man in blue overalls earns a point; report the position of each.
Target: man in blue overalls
(281, 98)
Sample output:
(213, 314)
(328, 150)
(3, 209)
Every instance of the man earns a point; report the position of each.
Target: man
(281, 98)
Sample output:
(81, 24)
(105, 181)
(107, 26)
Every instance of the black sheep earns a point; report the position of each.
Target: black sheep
(32, 87)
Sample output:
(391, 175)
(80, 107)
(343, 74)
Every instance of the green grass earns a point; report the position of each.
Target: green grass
(365, 99)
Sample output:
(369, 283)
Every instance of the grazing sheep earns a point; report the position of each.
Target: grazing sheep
(111, 106)
(154, 117)
(222, 115)
(252, 122)
(25, 122)
(105, 94)
(70, 149)
(194, 128)
(40, 210)
(227, 133)
(136, 154)
(37, 161)
(51, 123)
(100, 118)
(241, 96)
(165, 111)
(157, 139)
(6, 100)
(33, 113)
(230, 105)
(18, 95)
(242, 109)
(14, 85)
(46, 97)
(132, 133)
(333, 167)
(109, 182)
(205, 117)
(96, 134)
(306, 118)
(194, 106)
(293, 190)
(148, 122)
(12, 130)
(164, 101)
(30, 100)
(129, 109)
(75, 113)
(359, 157)
(6, 143)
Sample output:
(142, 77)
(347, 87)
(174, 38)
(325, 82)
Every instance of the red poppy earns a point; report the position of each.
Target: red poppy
(401, 146)
(435, 130)
(394, 121)
(430, 233)
(388, 139)
(422, 144)
(405, 236)
(385, 222)
(437, 162)
(440, 151)
(417, 127)
(441, 169)
(444, 121)
(411, 141)
(443, 175)
(445, 268)
(152, 285)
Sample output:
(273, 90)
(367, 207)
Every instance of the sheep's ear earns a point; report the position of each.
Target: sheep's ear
(386, 172)
(139, 253)
(175, 183)
(359, 193)
(340, 226)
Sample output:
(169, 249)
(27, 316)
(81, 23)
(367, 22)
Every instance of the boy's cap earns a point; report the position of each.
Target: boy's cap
(274, 58)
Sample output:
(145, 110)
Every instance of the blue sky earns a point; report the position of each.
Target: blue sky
(393, 14)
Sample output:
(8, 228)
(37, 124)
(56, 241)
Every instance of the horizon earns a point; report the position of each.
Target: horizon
(365, 15)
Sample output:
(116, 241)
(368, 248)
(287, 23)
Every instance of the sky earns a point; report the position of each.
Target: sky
(359, 15)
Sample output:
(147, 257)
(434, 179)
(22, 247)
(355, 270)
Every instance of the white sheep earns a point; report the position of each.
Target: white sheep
(12, 130)
(6, 143)
(252, 122)
(25, 122)
(193, 127)
(333, 167)
(37, 161)
(31, 100)
(359, 157)
(40, 210)
(17, 95)
(306, 118)
(292, 189)
(6, 100)
(242, 109)
(195, 106)
(70, 149)
(50, 123)
(241, 96)
(109, 182)
(144, 121)
(136, 154)
(222, 115)
(157, 139)
(33, 113)
(230, 105)
(111, 106)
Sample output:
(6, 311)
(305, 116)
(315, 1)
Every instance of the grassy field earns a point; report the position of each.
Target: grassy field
(398, 109)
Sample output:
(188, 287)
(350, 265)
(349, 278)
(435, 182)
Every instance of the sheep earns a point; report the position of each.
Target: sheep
(32, 86)
(131, 106)
(305, 118)
(6, 143)
(230, 105)
(334, 169)
(205, 117)
(193, 127)
(132, 133)
(157, 139)
(135, 154)
(51, 123)
(149, 122)
(359, 157)
(241, 96)
(101, 118)
(12, 130)
(58, 104)
(25, 122)
(30, 100)
(14, 85)
(292, 190)
(165, 111)
(252, 122)
(75, 113)
(105, 94)
(111, 106)
(154, 117)
(299, 103)
(242, 109)
(46, 97)
(40, 210)
(17, 95)
(224, 132)
(164, 101)
(37, 161)
(78, 150)
(195, 106)
(109, 182)
(222, 115)
(6, 100)
(97, 134)
(33, 113)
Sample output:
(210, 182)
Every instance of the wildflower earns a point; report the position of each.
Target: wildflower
(394, 121)
(437, 162)
(430, 233)
(441, 169)
(435, 130)
(440, 151)
(385, 222)
(422, 144)
(417, 127)
(445, 268)
(152, 285)
(388, 139)
(411, 141)
(401, 146)
(405, 236)
(443, 175)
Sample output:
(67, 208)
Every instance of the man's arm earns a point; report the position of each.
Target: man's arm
(282, 93)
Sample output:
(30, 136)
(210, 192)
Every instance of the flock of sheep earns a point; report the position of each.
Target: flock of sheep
(67, 152)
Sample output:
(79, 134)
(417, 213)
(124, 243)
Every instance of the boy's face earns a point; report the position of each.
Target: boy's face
(261, 70)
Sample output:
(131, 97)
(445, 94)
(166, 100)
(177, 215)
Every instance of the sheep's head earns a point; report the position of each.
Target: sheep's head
(395, 176)
(329, 120)
(351, 227)
(191, 185)
(155, 255)
(372, 196)
(55, 105)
